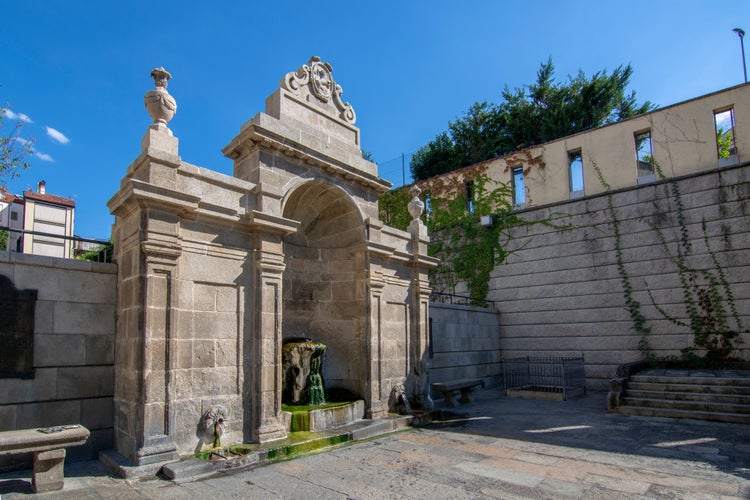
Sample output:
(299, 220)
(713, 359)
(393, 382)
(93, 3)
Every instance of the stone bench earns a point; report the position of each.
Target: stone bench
(466, 386)
(47, 446)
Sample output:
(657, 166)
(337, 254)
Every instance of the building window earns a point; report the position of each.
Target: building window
(725, 137)
(470, 197)
(645, 157)
(575, 171)
(14, 215)
(519, 189)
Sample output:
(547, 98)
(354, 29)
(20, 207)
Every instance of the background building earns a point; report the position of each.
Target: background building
(45, 222)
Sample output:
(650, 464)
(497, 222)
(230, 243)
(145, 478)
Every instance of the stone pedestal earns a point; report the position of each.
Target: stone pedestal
(48, 473)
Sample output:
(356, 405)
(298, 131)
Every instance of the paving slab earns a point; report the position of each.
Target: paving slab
(496, 447)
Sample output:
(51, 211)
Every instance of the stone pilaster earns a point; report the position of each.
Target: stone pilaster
(267, 338)
(147, 245)
(419, 295)
(376, 407)
(419, 310)
(155, 412)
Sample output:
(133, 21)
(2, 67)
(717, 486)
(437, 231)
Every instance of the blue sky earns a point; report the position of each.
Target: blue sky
(79, 69)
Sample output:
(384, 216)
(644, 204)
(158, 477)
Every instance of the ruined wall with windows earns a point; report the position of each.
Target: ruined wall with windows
(708, 132)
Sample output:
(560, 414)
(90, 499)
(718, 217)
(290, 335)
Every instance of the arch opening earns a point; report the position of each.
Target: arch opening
(324, 283)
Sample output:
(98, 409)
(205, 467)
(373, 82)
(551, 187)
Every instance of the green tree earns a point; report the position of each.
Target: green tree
(543, 111)
(436, 157)
(479, 134)
(13, 151)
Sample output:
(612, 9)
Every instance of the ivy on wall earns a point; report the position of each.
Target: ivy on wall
(707, 296)
(470, 229)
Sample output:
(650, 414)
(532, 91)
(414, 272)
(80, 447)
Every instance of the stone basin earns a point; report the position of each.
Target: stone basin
(325, 417)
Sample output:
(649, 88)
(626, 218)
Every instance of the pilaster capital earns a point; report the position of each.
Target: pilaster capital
(160, 252)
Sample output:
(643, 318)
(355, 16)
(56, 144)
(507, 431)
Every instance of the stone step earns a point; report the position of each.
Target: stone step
(688, 405)
(687, 385)
(734, 418)
(709, 397)
(193, 469)
(692, 380)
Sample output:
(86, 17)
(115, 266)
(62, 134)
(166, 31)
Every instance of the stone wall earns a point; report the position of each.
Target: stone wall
(465, 344)
(73, 349)
(562, 293)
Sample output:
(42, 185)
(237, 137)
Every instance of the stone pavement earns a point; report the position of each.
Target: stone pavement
(496, 447)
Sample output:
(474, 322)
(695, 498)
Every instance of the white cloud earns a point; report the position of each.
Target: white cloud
(16, 116)
(25, 142)
(56, 135)
(43, 156)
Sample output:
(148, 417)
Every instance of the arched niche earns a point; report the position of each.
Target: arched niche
(324, 281)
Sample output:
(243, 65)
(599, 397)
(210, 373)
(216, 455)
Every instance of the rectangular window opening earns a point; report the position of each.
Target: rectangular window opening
(519, 189)
(14, 216)
(575, 171)
(644, 157)
(726, 146)
(470, 197)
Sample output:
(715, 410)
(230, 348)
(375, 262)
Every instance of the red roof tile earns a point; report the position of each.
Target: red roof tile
(49, 198)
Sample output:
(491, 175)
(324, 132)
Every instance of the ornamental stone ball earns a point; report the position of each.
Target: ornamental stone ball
(160, 105)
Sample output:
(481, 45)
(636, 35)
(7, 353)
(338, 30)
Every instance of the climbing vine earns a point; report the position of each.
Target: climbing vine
(632, 304)
(706, 293)
(470, 228)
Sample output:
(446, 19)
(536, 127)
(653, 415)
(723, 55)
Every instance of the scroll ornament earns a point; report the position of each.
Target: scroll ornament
(317, 76)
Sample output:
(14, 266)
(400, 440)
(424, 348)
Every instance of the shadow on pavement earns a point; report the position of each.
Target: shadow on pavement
(584, 423)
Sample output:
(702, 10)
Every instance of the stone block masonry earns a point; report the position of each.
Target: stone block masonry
(562, 295)
(74, 327)
(465, 344)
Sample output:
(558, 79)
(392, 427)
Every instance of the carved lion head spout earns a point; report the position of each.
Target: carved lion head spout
(398, 402)
(212, 426)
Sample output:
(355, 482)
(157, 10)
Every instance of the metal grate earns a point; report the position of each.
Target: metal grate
(544, 374)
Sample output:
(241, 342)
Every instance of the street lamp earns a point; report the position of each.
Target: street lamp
(741, 34)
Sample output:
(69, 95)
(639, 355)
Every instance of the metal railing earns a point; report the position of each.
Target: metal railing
(545, 374)
(460, 300)
(83, 248)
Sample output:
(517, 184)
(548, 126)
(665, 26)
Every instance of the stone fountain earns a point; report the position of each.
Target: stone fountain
(216, 272)
(301, 365)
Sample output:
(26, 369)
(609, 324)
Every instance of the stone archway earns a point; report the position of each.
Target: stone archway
(216, 270)
(324, 281)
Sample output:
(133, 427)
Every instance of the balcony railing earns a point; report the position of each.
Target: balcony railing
(82, 248)
(460, 300)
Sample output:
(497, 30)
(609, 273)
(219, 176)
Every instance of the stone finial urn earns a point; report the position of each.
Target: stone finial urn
(415, 206)
(160, 105)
